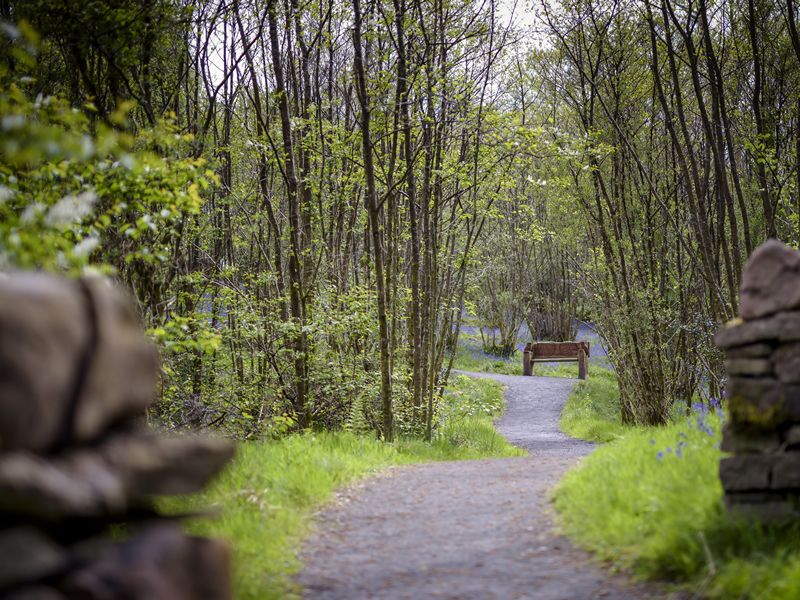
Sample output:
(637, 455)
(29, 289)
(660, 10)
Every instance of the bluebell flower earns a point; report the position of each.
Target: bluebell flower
(660, 455)
(678, 453)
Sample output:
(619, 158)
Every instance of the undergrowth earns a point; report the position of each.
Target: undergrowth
(650, 500)
(266, 499)
(469, 357)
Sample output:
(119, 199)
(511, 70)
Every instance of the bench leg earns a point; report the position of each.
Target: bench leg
(526, 363)
(583, 365)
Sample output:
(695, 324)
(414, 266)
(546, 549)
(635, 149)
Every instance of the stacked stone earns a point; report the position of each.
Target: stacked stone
(77, 463)
(762, 358)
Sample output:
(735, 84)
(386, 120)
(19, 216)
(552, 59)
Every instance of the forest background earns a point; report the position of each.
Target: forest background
(308, 199)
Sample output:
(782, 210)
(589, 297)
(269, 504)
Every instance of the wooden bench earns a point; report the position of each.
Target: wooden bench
(556, 352)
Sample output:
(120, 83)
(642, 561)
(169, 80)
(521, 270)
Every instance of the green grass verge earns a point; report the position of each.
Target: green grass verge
(592, 410)
(651, 501)
(267, 497)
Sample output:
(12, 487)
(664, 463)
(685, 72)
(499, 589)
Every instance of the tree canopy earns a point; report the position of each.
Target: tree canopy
(307, 199)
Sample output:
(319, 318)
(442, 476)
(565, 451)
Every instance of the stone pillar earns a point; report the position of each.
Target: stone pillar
(77, 460)
(762, 359)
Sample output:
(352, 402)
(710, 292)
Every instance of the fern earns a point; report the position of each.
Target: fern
(356, 421)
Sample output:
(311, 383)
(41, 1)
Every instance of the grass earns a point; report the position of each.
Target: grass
(267, 497)
(592, 410)
(650, 500)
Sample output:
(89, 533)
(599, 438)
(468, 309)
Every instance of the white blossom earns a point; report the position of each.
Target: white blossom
(85, 246)
(31, 212)
(71, 209)
(5, 193)
(12, 122)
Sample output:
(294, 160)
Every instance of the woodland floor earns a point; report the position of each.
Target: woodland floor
(471, 529)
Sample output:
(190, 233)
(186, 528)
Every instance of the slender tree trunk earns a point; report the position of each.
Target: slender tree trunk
(373, 210)
(296, 288)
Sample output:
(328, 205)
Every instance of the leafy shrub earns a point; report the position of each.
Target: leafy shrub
(81, 195)
(78, 194)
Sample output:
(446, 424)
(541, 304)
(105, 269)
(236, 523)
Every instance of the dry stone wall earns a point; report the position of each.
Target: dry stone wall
(762, 358)
(77, 461)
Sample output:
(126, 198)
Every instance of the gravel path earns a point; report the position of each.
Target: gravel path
(469, 530)
(533, 408)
